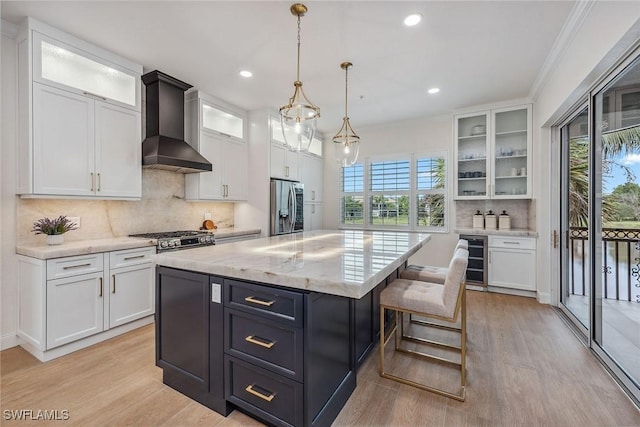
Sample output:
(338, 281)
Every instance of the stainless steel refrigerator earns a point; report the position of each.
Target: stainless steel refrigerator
(287, 207)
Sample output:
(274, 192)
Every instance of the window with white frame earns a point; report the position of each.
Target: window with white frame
(352, 195)
(407, 191)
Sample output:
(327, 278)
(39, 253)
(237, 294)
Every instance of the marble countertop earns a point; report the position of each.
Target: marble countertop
(340, 262)
(514, 232)
(83, 247)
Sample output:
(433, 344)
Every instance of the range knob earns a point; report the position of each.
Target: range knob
(202, 239)
(210, 240)
(176, 242)
(164, 244)
(171, 243)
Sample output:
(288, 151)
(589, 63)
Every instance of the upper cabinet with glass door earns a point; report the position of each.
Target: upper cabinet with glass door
(511, 167)
(492, 151)
(471, 152)
(96, 74)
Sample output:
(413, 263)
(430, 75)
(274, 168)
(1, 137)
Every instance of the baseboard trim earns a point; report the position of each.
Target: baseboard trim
(9, 340)
(544, 297)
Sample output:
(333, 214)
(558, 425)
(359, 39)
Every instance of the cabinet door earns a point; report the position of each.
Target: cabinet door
(311, 175)
(291, 165)
(75, 308)
(63, 147)
(312, 216)
(511, 148)
(278, 161)
(236, 173)
(118, 152)
(472, 166)
(509, 268)
(131, 294)
(210, 183)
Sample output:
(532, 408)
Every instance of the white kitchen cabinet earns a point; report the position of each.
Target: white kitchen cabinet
(313, 216)
(72, 302)
(79, 118)
(512, 262)
(217, 131)
(75, 308)
(493, 154)
(312, 176)
(284, 162)
(131, 286)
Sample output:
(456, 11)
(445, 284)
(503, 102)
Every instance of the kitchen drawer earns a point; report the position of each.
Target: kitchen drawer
(127, 257)
(269, 396)
(269, 344)
(58, 268)
(264, 301)
(528, 243)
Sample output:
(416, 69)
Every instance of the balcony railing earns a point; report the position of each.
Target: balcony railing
(620, 265)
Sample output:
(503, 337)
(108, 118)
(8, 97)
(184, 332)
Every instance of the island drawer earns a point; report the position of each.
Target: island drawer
(264, 301)
(276, 399)
(269, 344)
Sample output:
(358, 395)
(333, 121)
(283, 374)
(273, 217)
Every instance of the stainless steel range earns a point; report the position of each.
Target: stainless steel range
(176, 240)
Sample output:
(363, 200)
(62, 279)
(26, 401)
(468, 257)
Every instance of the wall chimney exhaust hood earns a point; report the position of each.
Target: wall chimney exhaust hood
(165, 147)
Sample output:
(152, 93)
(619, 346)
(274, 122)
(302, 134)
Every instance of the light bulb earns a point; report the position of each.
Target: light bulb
(298, 128)
(346, 148)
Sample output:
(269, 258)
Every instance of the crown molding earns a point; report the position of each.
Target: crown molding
(574, 22)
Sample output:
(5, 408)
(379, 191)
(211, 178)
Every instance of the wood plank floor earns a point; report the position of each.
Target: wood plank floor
(525, 367)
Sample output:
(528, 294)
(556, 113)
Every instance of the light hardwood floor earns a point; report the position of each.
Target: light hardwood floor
(525, 367)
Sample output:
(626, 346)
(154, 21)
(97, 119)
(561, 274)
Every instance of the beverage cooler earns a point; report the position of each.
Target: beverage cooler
(477, 267)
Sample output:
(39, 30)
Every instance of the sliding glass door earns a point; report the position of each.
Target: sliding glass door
(600, 222)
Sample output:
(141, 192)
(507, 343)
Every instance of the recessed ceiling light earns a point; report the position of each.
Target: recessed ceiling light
(246, 73)
(412, 20)
(433, 90)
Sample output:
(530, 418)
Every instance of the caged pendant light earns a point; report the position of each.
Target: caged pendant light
(346, 142)
(299, 118)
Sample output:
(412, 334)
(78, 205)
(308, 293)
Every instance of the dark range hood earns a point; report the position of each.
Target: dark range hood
(164, 146)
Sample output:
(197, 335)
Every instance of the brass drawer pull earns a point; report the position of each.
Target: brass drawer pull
(268, 398)
(129, 258)
(259, 301)
(114, 283)
(260, 341)
(69, 267)
(100, 294)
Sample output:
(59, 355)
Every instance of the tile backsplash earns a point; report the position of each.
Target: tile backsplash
(522, 212)
(162, 208)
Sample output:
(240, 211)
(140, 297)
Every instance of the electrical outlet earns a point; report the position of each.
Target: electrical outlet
(207, 215)
(75, 220)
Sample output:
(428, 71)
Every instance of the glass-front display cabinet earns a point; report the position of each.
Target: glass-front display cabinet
(493, 154)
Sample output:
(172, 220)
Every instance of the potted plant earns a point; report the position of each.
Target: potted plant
(53, 228)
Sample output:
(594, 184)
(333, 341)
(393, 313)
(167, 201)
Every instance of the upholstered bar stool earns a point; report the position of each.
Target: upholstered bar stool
(443, 302)
(428, 273)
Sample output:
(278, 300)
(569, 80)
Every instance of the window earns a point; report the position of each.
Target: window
(352, 196)
(408, 192)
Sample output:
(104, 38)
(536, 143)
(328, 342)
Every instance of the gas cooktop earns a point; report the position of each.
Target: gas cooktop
(174, 240)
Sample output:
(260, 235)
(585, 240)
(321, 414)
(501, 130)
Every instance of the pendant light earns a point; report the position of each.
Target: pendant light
(346, 143)
(299, 118)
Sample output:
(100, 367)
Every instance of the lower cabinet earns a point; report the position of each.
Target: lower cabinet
(65, 300)
(512, 262)
(284, 356)
(313, 216)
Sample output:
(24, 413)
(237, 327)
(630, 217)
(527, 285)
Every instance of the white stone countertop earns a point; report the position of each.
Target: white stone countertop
(348, 263)
(514, 232)
(83, 247)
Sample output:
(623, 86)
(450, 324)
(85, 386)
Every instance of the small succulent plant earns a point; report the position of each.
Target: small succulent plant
(50, 226)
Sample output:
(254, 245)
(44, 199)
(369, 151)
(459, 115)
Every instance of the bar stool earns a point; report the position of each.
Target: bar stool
(434, 301)
(428, 273)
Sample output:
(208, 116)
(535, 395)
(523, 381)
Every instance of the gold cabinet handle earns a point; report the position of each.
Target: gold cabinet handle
(100, 294)
(91, 181)
(99, 181)
(69, 267)
(260, 341)
(129, 258)
(113, 276)
(259, 301)
(268, 398)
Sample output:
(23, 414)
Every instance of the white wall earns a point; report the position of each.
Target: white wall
(607, 31)
(433, 134)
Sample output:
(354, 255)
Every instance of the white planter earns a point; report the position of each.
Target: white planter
(55, 239)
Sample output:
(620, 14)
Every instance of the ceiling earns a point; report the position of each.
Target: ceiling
(476, 52)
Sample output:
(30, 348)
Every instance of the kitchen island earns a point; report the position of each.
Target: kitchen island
(275, 326)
